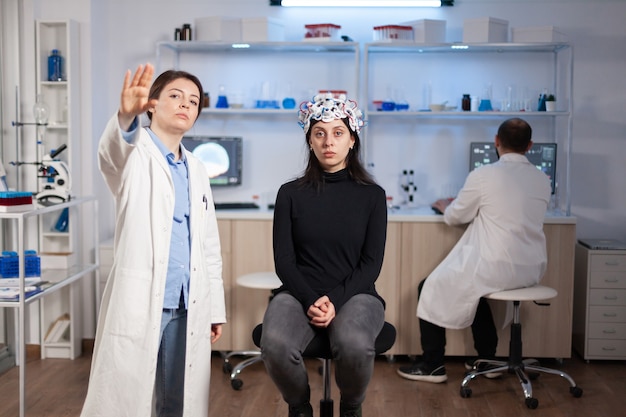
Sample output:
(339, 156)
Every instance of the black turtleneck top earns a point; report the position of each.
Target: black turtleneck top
(329, 242)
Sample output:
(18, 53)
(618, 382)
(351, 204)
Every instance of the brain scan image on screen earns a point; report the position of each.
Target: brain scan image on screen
(214, 157)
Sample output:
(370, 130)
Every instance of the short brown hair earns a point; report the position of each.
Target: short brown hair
(515, 134)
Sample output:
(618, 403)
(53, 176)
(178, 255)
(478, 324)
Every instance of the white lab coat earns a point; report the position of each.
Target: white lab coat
(127, 337)
(503, 247)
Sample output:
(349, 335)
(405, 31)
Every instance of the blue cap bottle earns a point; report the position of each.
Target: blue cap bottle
(55, 66)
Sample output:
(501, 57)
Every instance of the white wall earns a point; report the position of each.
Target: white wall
(117, 35)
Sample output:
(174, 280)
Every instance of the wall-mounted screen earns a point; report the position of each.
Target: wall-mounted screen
(541, 155)
(222, 157)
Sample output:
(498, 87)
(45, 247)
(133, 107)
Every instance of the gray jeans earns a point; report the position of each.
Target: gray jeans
(352, 333)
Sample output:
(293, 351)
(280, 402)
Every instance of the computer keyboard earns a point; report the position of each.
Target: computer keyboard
(236, 206)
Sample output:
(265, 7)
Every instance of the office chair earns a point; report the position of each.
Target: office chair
(319, 348)
(515, 364)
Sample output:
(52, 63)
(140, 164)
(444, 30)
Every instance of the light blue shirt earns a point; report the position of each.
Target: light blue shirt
(177, 281)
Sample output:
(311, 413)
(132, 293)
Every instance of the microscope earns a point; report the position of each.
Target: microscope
(55, 179)
(408, 186)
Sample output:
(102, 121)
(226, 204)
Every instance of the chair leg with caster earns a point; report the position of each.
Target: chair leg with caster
(254, 356)
(525, 369)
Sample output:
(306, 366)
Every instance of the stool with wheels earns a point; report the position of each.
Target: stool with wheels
(319, 348)
(515, 364)
(257, 280)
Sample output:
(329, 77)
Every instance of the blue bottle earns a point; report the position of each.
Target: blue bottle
(55, 66)
(63, 220)
(541, 105)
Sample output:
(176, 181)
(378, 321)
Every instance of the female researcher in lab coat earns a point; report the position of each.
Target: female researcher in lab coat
(163, 304)
(503, 248)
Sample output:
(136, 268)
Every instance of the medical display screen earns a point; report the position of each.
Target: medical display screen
(222, 157)
(541, 155)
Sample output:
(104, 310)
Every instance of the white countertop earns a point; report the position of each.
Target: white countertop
(423, 214)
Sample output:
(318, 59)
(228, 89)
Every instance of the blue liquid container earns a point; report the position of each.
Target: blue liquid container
(289, 103)
(485, 105)
(541, 103)
(55, 66)
(63, 220)
(222, 102)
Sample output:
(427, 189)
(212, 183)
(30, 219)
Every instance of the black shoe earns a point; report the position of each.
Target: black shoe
(304, 410)
(345, 411)
(472, 364)
(423, 372)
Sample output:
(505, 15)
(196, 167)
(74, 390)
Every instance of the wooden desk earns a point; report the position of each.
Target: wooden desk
(415, 245)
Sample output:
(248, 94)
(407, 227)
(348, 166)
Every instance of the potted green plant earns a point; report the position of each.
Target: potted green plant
(550, 102)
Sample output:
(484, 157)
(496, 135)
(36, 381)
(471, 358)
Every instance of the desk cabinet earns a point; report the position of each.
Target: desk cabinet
(600, 304)
(413, 249)
(545, 329)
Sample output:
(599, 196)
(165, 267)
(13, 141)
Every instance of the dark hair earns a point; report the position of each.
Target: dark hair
(314, 173)
(515, 134)
(167, 77)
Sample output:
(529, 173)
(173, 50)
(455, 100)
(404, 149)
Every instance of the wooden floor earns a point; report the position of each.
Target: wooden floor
(56, 388)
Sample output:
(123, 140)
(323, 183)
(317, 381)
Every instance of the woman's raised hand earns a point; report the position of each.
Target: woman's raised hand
(135, 93)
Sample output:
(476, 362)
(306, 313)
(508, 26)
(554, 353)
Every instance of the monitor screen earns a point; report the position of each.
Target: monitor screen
(541, 155)
(222, 157)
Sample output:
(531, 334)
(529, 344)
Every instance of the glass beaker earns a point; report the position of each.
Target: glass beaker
(222, 101)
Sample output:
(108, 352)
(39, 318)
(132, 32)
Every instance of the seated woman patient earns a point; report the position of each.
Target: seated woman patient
(329, 238)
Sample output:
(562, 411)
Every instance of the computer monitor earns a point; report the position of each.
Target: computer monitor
(222, 157)
(541, 155)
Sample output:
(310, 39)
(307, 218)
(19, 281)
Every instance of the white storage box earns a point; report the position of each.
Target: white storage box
(218, 29)
(485, 29)
(58, 260)
(262, 29)
(428, 30)
(537, 34)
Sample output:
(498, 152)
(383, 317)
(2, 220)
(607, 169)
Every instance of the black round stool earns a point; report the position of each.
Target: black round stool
(319, 348)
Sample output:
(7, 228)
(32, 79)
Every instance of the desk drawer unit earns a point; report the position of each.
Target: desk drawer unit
(599, 330)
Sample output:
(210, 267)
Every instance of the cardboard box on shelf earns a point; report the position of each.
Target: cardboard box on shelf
(428, 30)
(262, 29)
(537, 34)
(485, 30)
(57, 260)
(218, 29)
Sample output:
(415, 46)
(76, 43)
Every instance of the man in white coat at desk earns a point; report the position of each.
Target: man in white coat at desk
(163, 304)
(503, 248)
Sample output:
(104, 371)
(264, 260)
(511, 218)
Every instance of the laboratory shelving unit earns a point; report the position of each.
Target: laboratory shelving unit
(293, 63)
(432, 73)
(58, 281)
(63, 100)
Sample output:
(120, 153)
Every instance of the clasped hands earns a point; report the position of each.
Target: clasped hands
(322, 312)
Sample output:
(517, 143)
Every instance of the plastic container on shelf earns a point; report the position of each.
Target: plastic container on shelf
(335, 93)
(185, 32)
(9, 264)
(55, 66)
(322, 32)
(393, 33)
